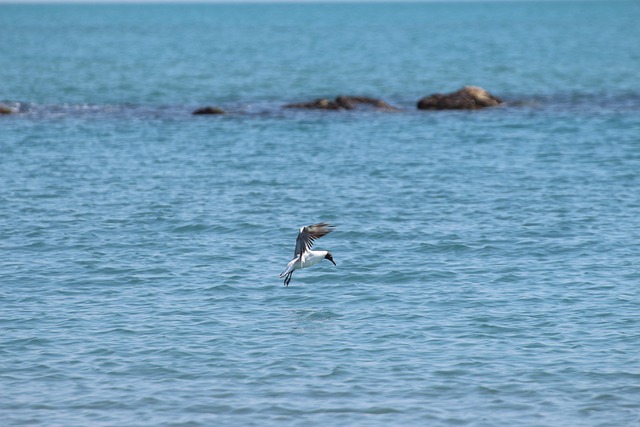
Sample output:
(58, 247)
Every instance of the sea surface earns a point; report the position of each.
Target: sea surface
(488, 262)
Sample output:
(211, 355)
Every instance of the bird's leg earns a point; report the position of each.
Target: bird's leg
(287, 279)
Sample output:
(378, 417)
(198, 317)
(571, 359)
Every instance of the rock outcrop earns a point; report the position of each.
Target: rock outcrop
(344, 103)
(467, 98)
(351, 102)
(318, 104)
(4, 109)
(208, 110)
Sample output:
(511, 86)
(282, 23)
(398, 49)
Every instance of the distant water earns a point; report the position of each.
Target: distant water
(488, 262)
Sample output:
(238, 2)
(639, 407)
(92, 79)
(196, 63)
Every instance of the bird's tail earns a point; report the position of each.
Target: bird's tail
(288, 270)
(290, 267)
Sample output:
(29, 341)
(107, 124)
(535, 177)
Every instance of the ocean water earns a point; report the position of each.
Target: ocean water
(488, 267)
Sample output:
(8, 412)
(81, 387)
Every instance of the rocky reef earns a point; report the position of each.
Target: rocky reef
(467, 98)
(5, 109)
(208, 110)
(344, 103)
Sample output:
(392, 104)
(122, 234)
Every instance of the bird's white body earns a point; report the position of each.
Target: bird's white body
(307, 259)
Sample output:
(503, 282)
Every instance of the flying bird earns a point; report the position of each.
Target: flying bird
(303, 256)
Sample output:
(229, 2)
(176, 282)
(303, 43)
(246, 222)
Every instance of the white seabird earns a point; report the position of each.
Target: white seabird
(303, 256)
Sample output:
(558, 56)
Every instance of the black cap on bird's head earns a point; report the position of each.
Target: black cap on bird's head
(330, 258)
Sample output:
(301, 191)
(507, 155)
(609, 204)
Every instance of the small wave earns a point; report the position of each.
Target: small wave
(322, 315)
(190, 228)
(222, 288)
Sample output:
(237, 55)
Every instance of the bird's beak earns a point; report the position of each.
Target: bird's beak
(334, 263)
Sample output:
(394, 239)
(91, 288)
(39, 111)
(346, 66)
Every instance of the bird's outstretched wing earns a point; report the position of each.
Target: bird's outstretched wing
(309, 234)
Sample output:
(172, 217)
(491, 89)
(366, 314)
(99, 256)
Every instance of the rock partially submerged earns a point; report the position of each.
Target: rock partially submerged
(351, 102)
(467, 98)
(344, 103)
(208, 110)
(318, 104)
(5, 109)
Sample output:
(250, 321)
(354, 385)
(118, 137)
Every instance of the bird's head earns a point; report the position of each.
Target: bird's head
(330, 258)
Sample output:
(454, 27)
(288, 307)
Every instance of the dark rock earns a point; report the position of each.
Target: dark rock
(318, 104)
(209, 110)
(467, 98)
(343, 103)
(4, 109)
(351, 102)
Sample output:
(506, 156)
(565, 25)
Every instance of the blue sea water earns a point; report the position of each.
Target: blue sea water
(487, 261)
